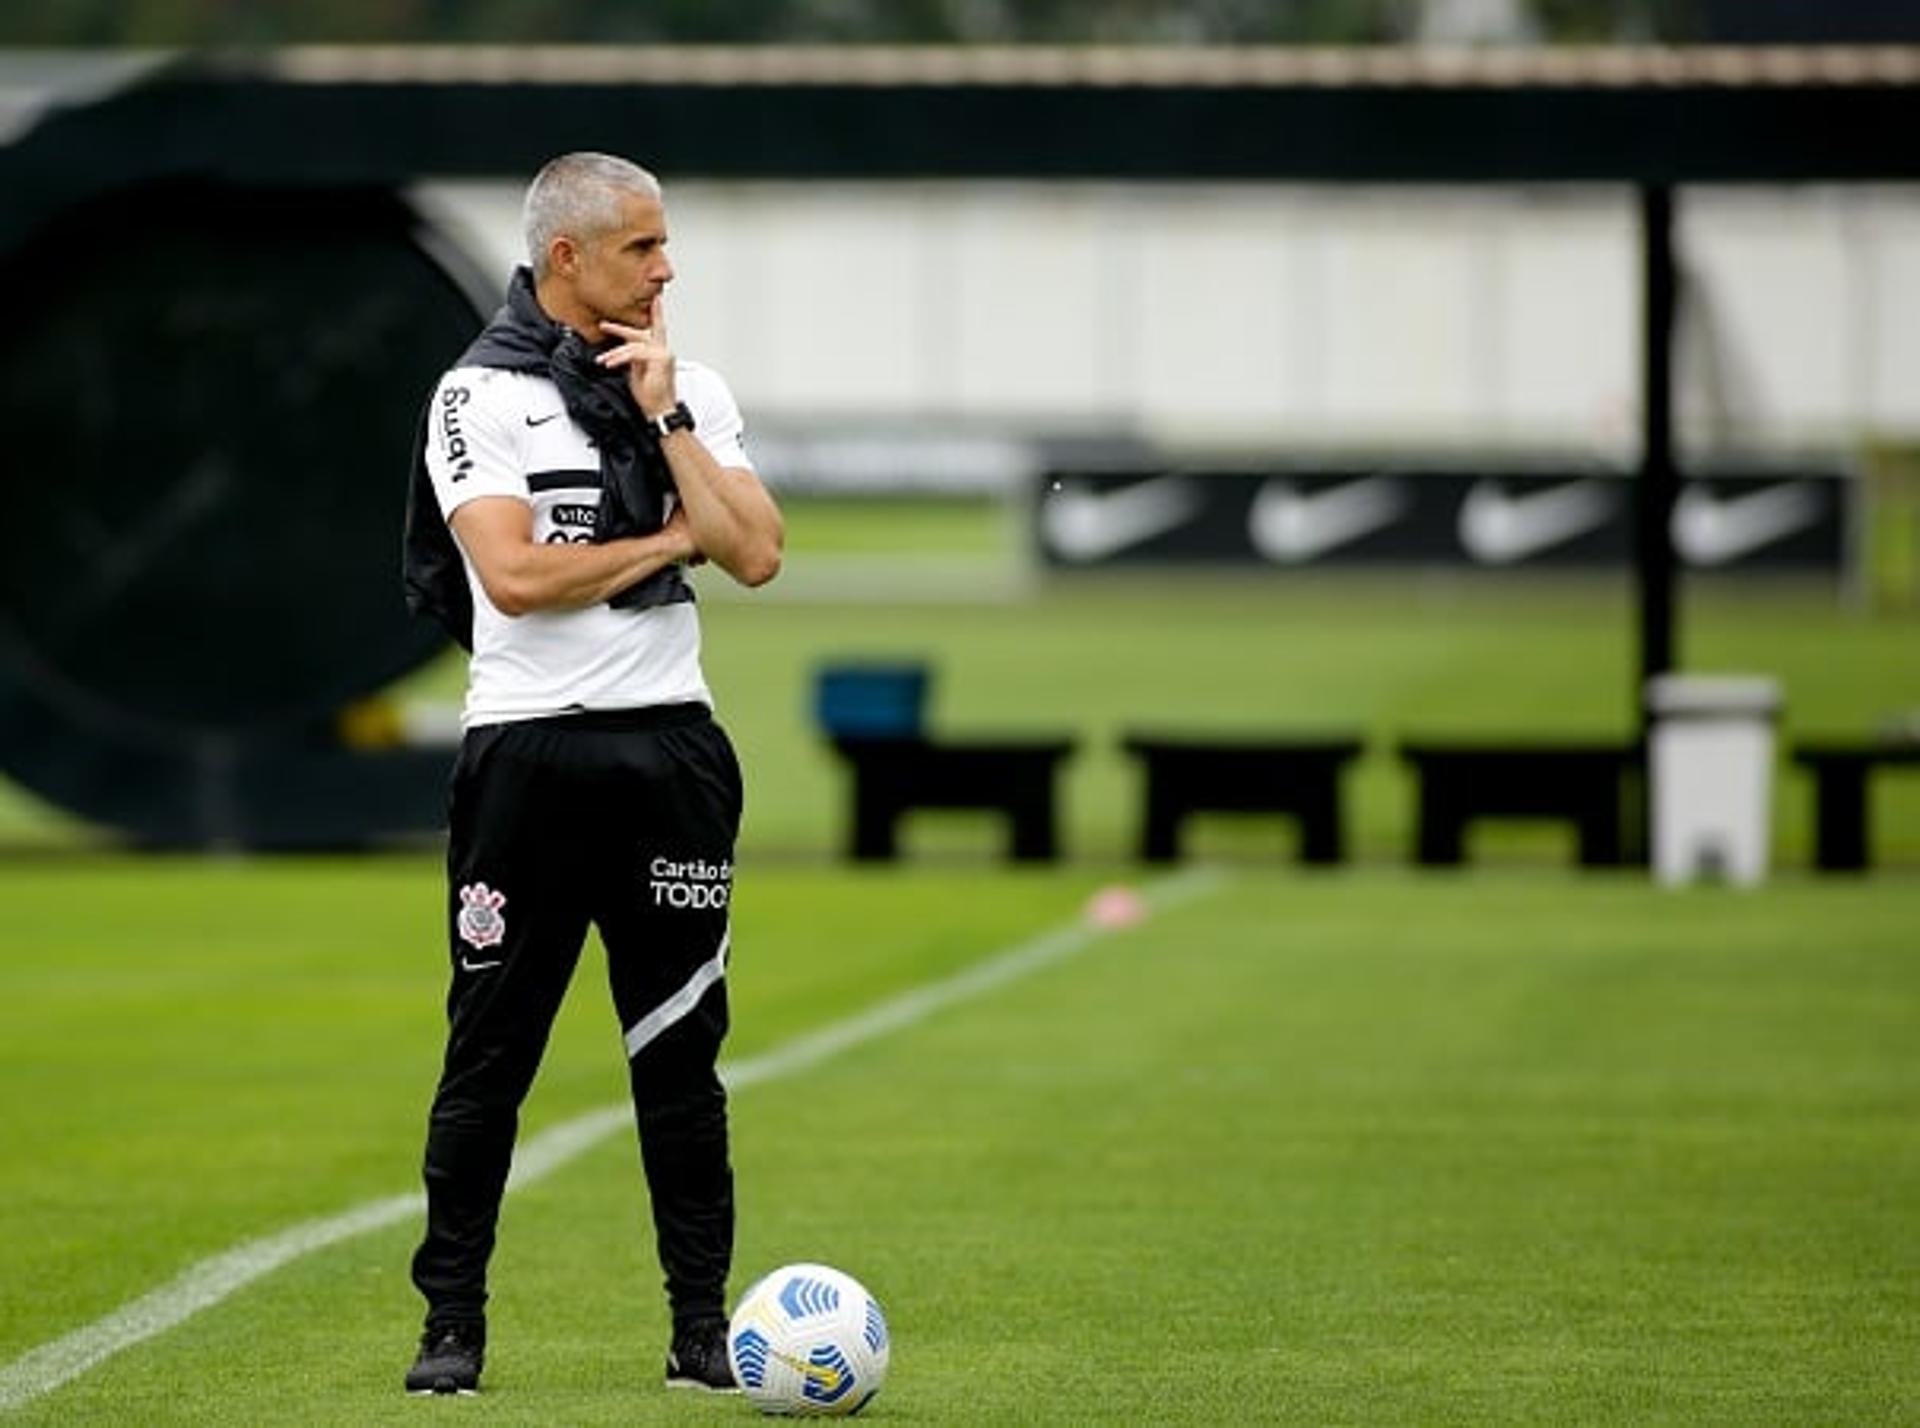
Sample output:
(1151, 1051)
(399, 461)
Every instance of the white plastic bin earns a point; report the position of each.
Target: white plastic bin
(1711, 776)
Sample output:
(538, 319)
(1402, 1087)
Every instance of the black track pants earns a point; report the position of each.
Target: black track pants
(626, 820)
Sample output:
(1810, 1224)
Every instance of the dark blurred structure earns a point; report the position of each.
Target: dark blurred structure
(207, 389)
(1055, 22)
(1060, 22)
(225, 318)
(1809, 22)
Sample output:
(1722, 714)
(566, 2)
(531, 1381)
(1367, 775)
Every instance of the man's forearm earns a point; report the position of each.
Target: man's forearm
(731, 518)
(733, 521)
(532, 576)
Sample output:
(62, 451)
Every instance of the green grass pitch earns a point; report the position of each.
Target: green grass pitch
(1364, 1148)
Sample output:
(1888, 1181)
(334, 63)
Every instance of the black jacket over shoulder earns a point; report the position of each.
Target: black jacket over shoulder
(635, 481)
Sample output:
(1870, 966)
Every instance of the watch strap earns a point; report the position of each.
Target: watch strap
(680, 418)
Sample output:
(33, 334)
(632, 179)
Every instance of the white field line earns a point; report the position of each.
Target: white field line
(40, 1371)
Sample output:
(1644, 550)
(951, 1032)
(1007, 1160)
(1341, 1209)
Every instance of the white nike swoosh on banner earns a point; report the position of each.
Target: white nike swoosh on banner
(1710, 531)
(1082, 524)
(1498, 529)
(1289, 525)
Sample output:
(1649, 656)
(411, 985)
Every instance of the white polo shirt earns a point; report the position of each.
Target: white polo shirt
(499, 433)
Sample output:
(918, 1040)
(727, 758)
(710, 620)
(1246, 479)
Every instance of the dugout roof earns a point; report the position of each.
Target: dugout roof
(383, 115)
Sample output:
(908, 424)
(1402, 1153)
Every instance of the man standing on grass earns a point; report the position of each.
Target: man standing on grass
(570, 469)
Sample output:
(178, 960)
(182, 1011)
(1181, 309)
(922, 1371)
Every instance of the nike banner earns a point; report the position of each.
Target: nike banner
(1773, 519)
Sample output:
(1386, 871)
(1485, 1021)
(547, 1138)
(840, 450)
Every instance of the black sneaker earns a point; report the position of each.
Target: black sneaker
(698, 1359)
(450, 1358)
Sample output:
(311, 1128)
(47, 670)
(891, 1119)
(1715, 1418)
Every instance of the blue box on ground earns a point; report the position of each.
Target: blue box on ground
(872, 700)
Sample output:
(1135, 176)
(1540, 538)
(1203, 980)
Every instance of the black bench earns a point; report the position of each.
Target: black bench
(873, 711)
(1579, 782)
(1840, 796)
(1193, 774)
(893, 775)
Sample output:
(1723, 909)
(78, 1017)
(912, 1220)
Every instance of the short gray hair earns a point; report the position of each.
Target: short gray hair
(578, 195)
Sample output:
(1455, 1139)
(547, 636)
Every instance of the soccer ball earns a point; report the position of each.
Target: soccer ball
(808, 1341)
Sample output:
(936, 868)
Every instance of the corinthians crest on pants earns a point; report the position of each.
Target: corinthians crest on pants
(481, 924)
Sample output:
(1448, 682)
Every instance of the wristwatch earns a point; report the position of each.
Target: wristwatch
(667, 423)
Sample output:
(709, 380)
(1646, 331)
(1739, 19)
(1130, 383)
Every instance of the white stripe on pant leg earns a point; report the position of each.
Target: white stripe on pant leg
(681, 1002)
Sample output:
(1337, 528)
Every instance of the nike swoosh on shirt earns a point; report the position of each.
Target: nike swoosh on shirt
(1709, 531)
(1082, 524)
(1291, 525)
(1499, 529)
(467, 964)
(532, 420)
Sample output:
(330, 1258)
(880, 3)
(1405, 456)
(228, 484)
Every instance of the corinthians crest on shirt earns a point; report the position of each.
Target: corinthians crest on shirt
(481, 923)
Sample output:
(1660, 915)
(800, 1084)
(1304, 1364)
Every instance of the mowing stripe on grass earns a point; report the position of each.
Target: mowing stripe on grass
(40, 1371)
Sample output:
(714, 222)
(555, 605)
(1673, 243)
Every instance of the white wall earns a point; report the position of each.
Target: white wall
(1281, 316)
